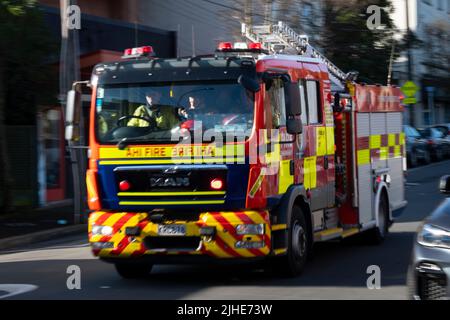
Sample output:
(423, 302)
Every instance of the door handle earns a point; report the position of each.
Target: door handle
(325, 165)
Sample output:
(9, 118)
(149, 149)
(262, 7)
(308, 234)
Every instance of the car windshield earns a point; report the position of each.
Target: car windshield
(152, 113)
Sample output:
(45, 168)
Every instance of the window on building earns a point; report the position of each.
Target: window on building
(427, 2)
(440, 4)
(314, 105)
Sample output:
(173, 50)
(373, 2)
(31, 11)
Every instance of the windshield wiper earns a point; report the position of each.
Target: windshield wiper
(126, 141)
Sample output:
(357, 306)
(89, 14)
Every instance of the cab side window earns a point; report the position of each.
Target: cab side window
(314, 107)
(275, 94)
(304, 115)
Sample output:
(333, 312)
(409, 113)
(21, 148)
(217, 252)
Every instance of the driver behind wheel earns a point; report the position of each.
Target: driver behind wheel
(165, 117)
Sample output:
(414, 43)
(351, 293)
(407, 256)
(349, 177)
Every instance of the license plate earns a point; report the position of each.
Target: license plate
(171, 230)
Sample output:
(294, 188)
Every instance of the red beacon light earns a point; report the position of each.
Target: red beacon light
(225, 46)
(145, 51)
(255, 46)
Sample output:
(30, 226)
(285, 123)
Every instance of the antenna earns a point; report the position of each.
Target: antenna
(193, 41)
(178, 40)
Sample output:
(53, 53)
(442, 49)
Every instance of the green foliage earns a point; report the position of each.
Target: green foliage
(29, 80)
(348, 42)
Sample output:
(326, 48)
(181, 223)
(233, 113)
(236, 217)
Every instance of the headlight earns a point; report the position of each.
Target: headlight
(431, 236)
(102, 230)
(250, 229)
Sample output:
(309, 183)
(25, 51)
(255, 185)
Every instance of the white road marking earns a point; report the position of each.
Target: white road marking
(16, 289)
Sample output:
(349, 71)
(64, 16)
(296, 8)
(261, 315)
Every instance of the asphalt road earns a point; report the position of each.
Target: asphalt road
(337, 271)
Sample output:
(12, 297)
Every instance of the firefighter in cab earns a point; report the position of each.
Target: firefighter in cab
(164, 117)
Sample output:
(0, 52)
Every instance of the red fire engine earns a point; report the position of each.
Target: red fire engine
(288, 150)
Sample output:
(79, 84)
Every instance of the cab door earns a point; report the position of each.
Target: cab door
(316, 158)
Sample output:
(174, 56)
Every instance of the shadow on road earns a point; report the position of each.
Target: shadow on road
(334, 264)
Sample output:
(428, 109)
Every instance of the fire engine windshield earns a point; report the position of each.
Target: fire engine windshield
(154, 113)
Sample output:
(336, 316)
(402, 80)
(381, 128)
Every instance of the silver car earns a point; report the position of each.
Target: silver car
(429, 271)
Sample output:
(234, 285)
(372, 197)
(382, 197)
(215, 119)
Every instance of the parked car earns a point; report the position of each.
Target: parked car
(429, 271)
(416, 147)
(438, 146)
(445, 129)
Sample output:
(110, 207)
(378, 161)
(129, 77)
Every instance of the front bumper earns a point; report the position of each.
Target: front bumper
(430, 273)
(133, 235)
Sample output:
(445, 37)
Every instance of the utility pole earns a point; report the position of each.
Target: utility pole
(70, 72)
(410, 61)
(248, 12)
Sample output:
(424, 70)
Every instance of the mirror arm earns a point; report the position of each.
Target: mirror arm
(76, 85)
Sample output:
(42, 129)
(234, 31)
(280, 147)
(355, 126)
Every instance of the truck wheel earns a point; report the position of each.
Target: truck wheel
(299, 245)
(133, 271)
(378, 234)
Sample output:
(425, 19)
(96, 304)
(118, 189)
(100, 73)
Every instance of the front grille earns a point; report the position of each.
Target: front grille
(171, 183)
(431, 285)
(172, 243)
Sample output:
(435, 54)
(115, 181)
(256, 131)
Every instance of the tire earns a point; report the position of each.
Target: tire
(413, 159)
(378, 234)
(133, 271)
(427, 157)
(299, 246)
(410, 284)
(439, 155)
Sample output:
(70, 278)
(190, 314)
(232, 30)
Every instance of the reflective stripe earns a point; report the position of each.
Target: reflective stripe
(321, 141)
(379, 147)
(330, 140)
(375, 141)
(310, 172)
(363, 157)
(162, 194)
(280, 251)
(276, 227)
(174, 151)
(285, 179)
(156, 203)
(173, 161)
(221, 246)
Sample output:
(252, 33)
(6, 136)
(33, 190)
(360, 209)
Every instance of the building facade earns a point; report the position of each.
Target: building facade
(429, 20)
(201, 25)
(43, 177)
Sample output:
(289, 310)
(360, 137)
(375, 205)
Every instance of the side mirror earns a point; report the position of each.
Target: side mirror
(73, 112)
(249, 83)
(444, 185)
(293, 108)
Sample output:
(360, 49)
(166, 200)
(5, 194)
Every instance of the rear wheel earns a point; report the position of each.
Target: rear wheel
(378, 234)
(133, 271)
(299, 246)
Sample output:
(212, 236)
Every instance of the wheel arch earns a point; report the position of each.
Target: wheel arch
(294, 196)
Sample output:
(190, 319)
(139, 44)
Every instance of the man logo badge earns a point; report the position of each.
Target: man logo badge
(170, 182)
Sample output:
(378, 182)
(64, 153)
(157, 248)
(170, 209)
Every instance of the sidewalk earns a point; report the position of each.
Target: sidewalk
(30, 225)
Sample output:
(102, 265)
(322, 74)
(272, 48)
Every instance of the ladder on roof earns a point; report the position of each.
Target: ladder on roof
(280, 38)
